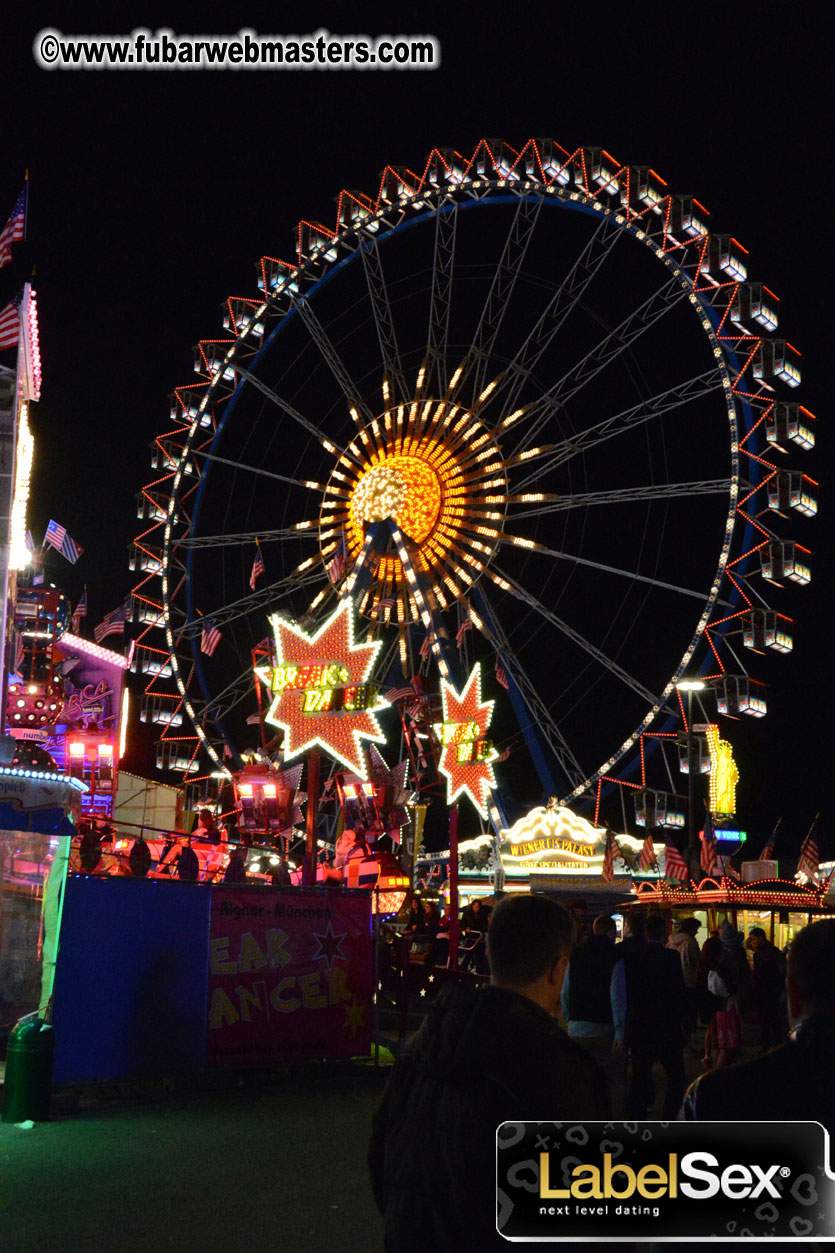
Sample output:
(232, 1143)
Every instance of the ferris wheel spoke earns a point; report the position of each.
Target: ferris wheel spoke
(233, 695)
(282, 404)
(631, 495)
(559, 308)
(673, 398)
(331, 357)
(510, 585)
(383, 321)
(608, 349)
(541, 716)
(246, 537)
(632, 575)
(440, 301)
(249, 469)
(477, 360)
(256, 600)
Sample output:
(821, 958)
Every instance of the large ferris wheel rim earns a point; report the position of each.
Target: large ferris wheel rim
(442, 200)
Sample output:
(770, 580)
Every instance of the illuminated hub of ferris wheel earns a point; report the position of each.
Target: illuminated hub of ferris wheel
(472, 443)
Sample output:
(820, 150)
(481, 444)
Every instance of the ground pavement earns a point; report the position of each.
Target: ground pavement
(277, 1166)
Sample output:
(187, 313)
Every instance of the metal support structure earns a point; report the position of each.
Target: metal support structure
(440, 305)
(383, 321)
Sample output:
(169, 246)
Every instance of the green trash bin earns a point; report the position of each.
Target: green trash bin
(28, 1072)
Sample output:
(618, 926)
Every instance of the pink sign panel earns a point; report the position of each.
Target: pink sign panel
(290, 975)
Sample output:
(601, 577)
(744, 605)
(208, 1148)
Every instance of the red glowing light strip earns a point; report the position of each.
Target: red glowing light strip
(683, 714)
(713, 650)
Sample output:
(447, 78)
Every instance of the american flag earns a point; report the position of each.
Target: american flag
(10, 324)
(257, 567)
(388, 602)
(399, 693)
(647, 853)
(607, 874)
(57, 537)
(79, 612)
(426, 646)
(809, 859)
(768, 851)
(501, 675)
(209, 638)
(709, 859)
(112, 623)
(676, 866)
(504, 755)
(14, 229)
(466, 625)
(336, 567)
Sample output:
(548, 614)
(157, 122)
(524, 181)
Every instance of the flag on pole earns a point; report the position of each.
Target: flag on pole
(809, 859)
(57, 538)
(426, 646)
(607, 874)
(768, 851)
(257, 567)
(210, 637)
(338, 563)
(30, 543)
(466, 625)
(501, 675)
(399, 693)
(112, 623)
(79, 612)
(14, 230)
(648, 858)
(10, 324)
(388, 602)
(709, 859)
(675, 866)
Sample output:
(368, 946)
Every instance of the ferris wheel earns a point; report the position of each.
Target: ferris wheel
(548, 373)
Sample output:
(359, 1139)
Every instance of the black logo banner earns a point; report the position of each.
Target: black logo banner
(655, 1180)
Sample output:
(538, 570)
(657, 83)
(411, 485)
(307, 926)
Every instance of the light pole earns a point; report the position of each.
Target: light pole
(690, 686)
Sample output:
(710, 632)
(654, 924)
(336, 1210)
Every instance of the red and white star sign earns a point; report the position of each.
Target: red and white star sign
(321, 689)
(466, 752)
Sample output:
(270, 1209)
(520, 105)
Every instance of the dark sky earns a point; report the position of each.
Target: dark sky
(154, 193)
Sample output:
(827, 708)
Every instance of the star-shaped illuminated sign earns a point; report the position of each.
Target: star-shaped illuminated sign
(330, 945)
(466, 752)
(321, 689)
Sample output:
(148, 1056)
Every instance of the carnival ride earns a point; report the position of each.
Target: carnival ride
(523, 408)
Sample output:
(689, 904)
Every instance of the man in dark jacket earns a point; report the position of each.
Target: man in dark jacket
(654, 1022)
(792, 1082)
(483, 1056)
(594, 1005)
(767, 983)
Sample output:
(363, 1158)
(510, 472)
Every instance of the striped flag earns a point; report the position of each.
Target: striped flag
(809, 859)
(504, 755)
(112, 623)
(57, 538)
(608, 872)
(338, 563)
(10, 324)
(399, 693)
(501, 675)
(257, 567)
(79, 612)
(647, 853)
(768, 851)
(426, 646)
(388, 602)
(708, 859)
(14, 230)
(465, 626)
(210, 637)
(675, 867)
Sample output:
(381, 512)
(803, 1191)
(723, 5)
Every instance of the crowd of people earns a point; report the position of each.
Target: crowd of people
(486, 1055)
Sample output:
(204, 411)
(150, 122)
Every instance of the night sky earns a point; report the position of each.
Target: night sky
(153, 194)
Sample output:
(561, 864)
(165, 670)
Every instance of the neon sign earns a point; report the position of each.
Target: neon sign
(321, 691)
(466, 752)
(724, 774)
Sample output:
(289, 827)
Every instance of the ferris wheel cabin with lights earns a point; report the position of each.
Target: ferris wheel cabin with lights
(431, 482)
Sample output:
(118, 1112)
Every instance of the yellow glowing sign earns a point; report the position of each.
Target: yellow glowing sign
(724, 774)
